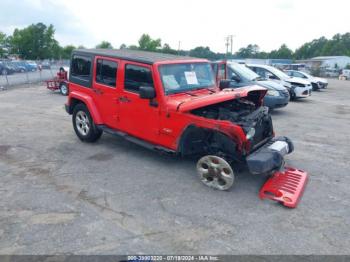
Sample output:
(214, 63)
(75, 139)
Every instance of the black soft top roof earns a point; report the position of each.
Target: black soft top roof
(133, 55)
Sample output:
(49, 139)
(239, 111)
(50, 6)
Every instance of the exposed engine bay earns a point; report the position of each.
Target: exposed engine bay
(254, 120)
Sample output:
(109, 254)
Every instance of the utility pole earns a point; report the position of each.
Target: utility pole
(229, 43)
(178, 48)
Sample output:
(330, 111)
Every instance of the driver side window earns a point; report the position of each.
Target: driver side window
(136, 76)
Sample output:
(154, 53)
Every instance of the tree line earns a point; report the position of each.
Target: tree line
(37, 41)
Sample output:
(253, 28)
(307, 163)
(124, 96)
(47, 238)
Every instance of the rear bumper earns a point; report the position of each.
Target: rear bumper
(269, 157)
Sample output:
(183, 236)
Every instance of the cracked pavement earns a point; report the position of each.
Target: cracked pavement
(61, 196)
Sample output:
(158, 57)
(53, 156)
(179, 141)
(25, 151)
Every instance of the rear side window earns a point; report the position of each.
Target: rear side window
(81, 67)
(81, 70)
(106, 72)
(136, 76)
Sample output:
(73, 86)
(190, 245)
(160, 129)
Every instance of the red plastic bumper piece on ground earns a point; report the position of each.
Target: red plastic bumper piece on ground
(285, 186)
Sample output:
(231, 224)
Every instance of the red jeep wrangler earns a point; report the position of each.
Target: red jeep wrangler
(172, 104)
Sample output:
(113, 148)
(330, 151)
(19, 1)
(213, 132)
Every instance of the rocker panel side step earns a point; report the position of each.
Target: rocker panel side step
(135, 140)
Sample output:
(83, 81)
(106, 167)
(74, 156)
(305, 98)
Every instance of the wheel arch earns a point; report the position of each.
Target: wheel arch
(200, 140)
(75, 99)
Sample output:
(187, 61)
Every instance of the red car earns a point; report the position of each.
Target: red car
(172, 104)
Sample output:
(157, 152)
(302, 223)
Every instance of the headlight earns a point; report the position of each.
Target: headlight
(250, 133)
(272, 93)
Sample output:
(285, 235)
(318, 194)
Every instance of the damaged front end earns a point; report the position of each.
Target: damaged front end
(254, 120)
(262, 152)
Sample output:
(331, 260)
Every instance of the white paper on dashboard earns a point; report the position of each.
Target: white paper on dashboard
(170, 82)
(191, 78)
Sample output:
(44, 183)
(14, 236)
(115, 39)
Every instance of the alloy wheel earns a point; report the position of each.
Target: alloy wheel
(215, 172)
(82, 123)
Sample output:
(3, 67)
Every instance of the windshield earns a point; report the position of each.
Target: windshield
(278, 72)
(243, 71)
(306, 74)
(178, 78)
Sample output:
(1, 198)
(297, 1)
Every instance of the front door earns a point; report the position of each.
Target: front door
(138, 117)
(105, 87)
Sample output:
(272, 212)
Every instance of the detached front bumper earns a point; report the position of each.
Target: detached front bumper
(286, 184)
(270, 157)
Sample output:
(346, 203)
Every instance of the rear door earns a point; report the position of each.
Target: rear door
(106, 87)
(138, 117)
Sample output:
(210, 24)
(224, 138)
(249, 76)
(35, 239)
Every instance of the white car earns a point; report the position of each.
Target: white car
(316, 82)
(297, 87)
(346, 73)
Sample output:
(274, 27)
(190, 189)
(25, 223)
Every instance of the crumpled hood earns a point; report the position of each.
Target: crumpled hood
(271, 85)
(183, 102)
(298, 80)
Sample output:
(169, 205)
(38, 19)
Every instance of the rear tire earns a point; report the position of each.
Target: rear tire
(64, 89)
(4, 72)
(84, 125)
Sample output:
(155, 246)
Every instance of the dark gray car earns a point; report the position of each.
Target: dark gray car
(277, 95)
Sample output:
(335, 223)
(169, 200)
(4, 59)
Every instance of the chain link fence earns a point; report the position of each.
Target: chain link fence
(26, 78)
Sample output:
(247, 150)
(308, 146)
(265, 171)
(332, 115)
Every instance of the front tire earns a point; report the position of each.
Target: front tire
(215, 172)
(84, 125)
(292, 96)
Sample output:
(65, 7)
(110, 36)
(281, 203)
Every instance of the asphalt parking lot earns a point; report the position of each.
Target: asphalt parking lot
(61, 196)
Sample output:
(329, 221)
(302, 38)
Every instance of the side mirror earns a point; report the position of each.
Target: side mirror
(147, 92)
(224, 84)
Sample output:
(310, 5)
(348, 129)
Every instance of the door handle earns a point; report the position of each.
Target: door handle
(97, 91)
(124, 99)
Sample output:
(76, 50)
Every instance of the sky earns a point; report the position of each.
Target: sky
(267, 23)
